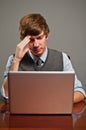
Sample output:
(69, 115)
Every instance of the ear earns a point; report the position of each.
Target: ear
(47, 36)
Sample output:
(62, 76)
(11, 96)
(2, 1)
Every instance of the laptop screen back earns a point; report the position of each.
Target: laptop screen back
(41, 92)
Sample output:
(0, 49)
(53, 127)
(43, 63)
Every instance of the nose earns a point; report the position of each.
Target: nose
(35, 43)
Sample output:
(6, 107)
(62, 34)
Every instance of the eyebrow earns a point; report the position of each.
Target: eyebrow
(33, 37)
(41, 34)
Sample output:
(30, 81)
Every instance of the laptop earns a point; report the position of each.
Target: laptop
(41, 92)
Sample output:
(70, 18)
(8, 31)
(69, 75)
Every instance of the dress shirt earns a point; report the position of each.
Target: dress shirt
(67, 66)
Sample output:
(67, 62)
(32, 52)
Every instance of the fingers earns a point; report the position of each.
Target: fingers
(22, 48)
(25, 51)
(24, 42)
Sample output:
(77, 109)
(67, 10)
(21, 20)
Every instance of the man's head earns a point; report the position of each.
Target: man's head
(33, 24)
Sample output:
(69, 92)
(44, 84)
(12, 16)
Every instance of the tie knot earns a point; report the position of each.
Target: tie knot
(39, 62)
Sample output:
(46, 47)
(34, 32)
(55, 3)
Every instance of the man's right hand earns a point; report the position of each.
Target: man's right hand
(22, 48)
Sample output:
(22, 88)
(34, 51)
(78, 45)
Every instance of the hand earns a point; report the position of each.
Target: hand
(22, 48)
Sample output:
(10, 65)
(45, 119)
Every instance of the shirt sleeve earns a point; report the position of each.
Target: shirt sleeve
(67, 66)
(8, 65)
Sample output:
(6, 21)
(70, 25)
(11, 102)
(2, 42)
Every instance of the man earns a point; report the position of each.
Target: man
(34, 33)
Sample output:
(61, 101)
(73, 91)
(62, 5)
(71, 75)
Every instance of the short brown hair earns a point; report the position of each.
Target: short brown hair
(33, 24)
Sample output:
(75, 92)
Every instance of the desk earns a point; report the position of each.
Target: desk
(76, 121)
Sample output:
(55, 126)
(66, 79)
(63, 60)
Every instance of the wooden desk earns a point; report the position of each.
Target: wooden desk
(76, 121)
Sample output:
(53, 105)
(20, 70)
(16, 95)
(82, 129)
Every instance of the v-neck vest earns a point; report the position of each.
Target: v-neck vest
(54, 62)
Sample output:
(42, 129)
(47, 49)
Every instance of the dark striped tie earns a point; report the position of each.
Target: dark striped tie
(39, 62)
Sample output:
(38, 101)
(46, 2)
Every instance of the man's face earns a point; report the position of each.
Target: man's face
(37, 45)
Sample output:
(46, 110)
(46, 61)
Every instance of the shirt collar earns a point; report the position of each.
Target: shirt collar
(42, 57)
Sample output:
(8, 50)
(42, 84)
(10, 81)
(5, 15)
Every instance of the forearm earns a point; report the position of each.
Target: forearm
(13, 62)
(14, 67)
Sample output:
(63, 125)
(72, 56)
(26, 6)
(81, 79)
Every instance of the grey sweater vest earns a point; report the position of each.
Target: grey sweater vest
(54, 62)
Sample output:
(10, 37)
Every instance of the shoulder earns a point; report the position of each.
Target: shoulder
(11, 56)
(65, 55)
(54, 51)
(10, 59)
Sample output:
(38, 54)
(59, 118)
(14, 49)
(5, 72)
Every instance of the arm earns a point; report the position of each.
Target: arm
(79, 92)
(13, 67)
(13, 64)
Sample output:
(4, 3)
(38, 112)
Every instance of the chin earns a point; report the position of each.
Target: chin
(37, 54)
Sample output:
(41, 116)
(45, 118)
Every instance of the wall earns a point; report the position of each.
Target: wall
(67, 21)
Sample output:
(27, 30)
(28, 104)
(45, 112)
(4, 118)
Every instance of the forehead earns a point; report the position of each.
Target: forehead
(41, 34)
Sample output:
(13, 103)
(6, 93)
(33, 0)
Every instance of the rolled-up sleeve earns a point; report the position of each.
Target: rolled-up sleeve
(67, 66)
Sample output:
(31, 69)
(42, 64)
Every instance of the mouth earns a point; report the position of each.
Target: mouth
(36, 51)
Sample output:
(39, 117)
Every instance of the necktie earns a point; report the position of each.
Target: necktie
(39, 62)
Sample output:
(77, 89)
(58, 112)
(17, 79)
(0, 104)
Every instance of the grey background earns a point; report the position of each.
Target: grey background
(67, 22)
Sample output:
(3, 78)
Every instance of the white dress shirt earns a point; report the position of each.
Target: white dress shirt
(67, 66)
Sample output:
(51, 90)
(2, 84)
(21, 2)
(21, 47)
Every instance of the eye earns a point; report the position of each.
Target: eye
(32, 39)
(39, 38)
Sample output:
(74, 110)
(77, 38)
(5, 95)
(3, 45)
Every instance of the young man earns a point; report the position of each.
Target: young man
(34, 33)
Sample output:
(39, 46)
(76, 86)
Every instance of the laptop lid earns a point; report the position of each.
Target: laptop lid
(34, 92)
